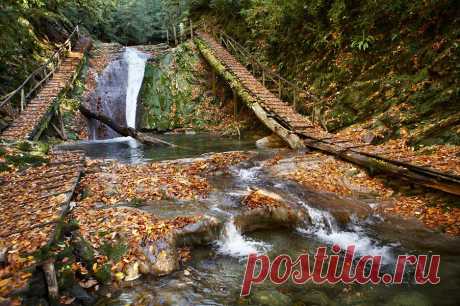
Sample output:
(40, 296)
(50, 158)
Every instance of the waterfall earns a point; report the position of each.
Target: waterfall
(136, 67)
(117, 91)
(325, 228)
(234, 244)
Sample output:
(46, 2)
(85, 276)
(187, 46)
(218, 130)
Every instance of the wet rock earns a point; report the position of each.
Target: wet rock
(271, 142)
(203, 232)
(81, 295)
(343, 210)
(162, 256)
(409, 299)
(266, 210)
(318, 298)
(144, 268)
(170, 296)
(132, 272)
(272, 298)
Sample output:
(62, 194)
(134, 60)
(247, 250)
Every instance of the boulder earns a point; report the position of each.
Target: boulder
(271, 142)
(409, 299)
(203, 232)
(162, 256)
(132, 272)
(264, 209)
(272, 298)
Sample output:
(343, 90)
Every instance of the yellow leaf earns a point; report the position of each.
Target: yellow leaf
(119, 276)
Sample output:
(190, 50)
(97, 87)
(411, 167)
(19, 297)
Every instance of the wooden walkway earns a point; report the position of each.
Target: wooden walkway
(32, 203)
(271, 103)
(313, 136)
(39, 111)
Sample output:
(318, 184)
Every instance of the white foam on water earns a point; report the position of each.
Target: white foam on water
(232, 243)
(247, 175)
(325, 228)
(136, 67)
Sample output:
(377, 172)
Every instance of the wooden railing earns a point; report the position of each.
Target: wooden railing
(37, 78)
(180, 32)
(283, 88)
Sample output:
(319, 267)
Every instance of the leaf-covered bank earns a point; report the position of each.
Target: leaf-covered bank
(391, 67)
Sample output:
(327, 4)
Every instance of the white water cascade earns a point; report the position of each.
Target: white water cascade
(136, 61)
(117, 91)
(232, 243)
(325, 228)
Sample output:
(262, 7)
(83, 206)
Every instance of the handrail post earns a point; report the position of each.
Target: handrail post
(263, 77)
(279, 89)
(295, 101)
(191, 29)
(22, 99)
(176, 42)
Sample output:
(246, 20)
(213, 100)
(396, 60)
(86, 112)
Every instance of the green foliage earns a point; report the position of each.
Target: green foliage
(25, 160)
(24, 146)
(166, 96)
(114, 251)
(362, 43)
(365, 57)
(31, 29)
(104, 275)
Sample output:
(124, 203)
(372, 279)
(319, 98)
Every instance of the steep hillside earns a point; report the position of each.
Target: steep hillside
(391, 66)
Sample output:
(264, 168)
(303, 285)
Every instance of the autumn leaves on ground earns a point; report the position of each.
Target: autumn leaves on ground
(84, 215)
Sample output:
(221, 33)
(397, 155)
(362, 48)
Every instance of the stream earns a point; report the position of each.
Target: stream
(215, 273)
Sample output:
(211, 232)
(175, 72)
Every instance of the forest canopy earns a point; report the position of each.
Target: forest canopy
(30, 29)
(363, 57)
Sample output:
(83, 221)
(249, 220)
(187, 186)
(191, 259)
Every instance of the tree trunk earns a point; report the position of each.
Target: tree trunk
(427, 179)
(292, 139)
(378, 165)
(122, 130)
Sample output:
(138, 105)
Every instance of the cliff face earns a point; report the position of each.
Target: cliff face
(390, 67)
(170, 94)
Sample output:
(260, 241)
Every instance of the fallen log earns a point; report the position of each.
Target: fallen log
(375, 164)
(122, 130)
(292, 139)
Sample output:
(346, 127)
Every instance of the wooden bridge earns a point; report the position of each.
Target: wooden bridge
(35, 102)
(297, 130)
(32, 205)
(34, 202)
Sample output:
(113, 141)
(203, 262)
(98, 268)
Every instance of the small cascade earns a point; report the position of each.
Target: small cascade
(117, 91)
(232, 243)
(136, 67)
(325, 228)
